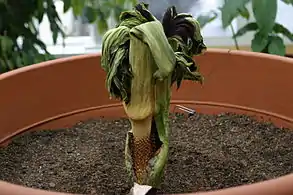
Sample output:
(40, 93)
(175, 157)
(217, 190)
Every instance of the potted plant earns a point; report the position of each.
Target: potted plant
(47, 105)
(130, 78)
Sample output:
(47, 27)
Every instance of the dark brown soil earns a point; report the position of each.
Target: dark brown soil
(207, 152)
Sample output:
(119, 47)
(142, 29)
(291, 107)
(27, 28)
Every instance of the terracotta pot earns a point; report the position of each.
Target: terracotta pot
(59, 93)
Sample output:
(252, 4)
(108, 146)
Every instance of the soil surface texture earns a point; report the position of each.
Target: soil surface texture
(206, 153)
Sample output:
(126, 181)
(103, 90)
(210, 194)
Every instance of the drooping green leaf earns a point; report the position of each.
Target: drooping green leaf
(243, 11)
(18, 60)
(40, 11)
(77, 6)
(150, 33)
(55, 36)
(265, 13)
(10, 65)
(204, 19)
(230, 10)
(279, 28)
(259, 42)
(248, 27)
(55, 31)
(116, 55)
(66, 5)
(90, 14)
(6, 44)
(185, 30)
(102, 26)
(25, 58)
(277, 46)
(185, 69)
(105, 9)
(3, 67)
(102, 16)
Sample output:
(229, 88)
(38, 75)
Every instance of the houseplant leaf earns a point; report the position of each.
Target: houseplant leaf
(265, 14)
(17, 19)
(230, 10)
(6, 43)
(66, 5)
(248, 27)
(101, 21)
(77, 6)
(243, 11)
(102, 26)
(276, 46)
(41, 10)
(10, 65)
(279, 28)
(204, 19)
(90, 14)
(259, 42)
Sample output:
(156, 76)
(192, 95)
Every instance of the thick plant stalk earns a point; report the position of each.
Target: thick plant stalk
(143, 58)
(140, 116)
(148, 68)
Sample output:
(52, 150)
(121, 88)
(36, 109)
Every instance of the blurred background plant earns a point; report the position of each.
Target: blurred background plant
(21, 44)
(158, 7)
(267, 32)
(19, 21)
(29, 29)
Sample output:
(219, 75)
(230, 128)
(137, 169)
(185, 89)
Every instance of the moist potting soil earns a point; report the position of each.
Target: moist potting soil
(206, 153)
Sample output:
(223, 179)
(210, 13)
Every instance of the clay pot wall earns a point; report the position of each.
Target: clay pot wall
(61, 92)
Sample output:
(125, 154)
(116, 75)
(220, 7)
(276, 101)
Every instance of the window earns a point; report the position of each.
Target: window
(284, 14)
(83, 38)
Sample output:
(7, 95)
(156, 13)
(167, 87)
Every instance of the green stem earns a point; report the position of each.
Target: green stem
(234, 38)
(233, 33)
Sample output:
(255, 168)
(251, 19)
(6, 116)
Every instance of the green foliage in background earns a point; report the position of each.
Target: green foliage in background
(19, 20)
(206, 18)
(16, 22)
(266, 30)
(98, 11)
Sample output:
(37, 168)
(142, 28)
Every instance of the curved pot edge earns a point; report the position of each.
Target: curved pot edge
(110, 110)
(261, 55)
(14, 189)
(46, 63)
(278, 186)
(98, 54)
